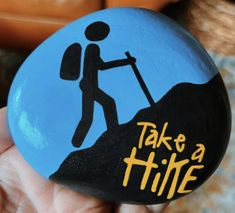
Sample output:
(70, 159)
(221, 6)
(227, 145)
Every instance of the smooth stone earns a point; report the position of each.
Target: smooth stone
(124, 105)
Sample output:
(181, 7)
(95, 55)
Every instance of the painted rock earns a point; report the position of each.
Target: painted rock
(122, 104)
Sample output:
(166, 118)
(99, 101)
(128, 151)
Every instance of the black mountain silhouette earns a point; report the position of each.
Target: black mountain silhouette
(201, 112)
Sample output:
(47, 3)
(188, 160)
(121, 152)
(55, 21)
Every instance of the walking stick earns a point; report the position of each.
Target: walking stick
(141, 81)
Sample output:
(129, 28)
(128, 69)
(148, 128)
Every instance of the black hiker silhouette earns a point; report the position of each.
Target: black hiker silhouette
(70, 70)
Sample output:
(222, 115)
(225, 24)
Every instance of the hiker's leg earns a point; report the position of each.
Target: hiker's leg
(109, 108)
(86, 120)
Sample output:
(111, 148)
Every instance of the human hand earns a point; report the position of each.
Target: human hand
(23, 190)
(130, 58)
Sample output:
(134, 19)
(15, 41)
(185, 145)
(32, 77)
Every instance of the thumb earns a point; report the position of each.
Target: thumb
(5, 138)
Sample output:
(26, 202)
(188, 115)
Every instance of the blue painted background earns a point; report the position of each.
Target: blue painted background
(44, 110)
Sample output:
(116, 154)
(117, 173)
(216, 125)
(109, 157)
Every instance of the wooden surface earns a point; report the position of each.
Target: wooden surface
(19, 32)
(66, 9)
(149, 4)
(26, 23)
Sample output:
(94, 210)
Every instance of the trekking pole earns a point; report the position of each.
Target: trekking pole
(141, 81)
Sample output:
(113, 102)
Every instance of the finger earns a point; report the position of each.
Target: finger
(160, 208)
(5, 138)
(126, 208)
(43, 195)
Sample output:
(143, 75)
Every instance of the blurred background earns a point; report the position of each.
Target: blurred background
(24, 24)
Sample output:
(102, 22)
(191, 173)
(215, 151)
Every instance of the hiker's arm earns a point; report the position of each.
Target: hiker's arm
(115, 63)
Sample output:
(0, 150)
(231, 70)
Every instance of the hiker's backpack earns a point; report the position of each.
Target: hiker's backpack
(71, 62)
